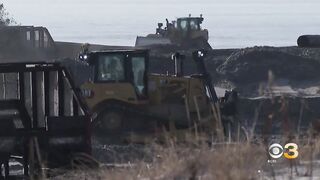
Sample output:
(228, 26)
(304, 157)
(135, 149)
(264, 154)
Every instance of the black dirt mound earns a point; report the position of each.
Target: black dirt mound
(252, 65)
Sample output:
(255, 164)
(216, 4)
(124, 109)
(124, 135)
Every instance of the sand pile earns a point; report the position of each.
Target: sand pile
(252, 65)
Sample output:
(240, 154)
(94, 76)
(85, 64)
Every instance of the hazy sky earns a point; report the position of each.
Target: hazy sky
(231, 23)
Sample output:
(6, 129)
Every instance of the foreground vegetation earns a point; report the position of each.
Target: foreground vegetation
(223, 161)
(240, 159)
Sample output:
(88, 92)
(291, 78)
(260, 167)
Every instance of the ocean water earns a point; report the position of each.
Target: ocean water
(231, 23)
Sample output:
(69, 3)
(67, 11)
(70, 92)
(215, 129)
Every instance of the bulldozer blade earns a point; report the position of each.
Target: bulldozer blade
(149, 41)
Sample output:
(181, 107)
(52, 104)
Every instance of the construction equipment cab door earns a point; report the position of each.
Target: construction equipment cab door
(139, 74)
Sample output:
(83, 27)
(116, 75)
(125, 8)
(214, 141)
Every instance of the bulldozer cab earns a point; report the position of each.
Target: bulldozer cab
(189, 23)
(119, 69)
(190, 28)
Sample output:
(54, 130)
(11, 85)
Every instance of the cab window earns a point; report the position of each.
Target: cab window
(194, 25)
(183, 25)
(111, 68)
(138, 69)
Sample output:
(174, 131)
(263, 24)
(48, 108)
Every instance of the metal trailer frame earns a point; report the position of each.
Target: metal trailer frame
(46, 106)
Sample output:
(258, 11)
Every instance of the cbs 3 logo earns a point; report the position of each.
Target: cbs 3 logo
(290, 151)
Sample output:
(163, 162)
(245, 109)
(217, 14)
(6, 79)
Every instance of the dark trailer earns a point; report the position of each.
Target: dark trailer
(42, 117)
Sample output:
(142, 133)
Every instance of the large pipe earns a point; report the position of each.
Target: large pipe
(309, 41)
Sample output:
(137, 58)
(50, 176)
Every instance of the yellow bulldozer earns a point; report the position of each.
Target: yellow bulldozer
(183, 33)
(130, 104)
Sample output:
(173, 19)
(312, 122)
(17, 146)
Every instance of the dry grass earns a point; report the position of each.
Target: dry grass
(242, 161)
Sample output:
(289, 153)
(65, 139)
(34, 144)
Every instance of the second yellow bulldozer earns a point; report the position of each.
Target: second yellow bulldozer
(183, 33)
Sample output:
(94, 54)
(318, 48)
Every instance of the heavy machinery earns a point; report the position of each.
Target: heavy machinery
(127, 101)
(184, 33)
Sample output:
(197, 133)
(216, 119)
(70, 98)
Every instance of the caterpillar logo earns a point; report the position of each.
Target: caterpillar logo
(289, 151)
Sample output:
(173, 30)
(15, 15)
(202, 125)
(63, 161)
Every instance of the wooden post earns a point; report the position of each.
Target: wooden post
(40, 99)
(46, 84)
(61, 93)
(34, 100)
(53, 93)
